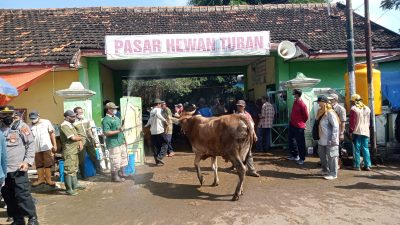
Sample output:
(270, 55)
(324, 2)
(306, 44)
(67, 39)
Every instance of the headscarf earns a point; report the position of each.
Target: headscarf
(327, 107)
(356, 98)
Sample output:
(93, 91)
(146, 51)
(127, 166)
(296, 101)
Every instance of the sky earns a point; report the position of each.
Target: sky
(384, 18)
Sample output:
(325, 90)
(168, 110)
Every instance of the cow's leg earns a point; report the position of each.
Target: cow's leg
(241, 169)
(214, 166)
(197, 166)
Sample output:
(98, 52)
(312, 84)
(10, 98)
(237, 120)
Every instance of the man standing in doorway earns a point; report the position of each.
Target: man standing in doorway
(298, 119)
(264, 126)
(72, 144)
(115, 142)
(46, 146)
(157, 124)
(20, 155)
(359, 129)
(84, 130)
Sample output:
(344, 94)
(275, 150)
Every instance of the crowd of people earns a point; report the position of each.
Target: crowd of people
(23, 145)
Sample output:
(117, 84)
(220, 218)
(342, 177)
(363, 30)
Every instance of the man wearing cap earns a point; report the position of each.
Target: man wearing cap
(298, 119)
(341, 112)
(157, 123)
(71, 145)
(84, 130)
(115, 142)
(359, 129)
(20, 155)
(45, 143)
(240, 106)
(264, 126)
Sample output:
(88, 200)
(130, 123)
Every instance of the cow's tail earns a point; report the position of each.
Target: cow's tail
(251, 135)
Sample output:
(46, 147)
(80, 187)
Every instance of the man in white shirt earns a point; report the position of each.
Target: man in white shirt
(157, 123)
(46, 146)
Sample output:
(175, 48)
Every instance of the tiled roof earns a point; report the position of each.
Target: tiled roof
(56, 35)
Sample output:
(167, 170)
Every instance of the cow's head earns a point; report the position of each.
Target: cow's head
(185, 120)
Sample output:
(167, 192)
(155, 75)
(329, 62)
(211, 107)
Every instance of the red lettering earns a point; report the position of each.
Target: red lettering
(210, 44)
(249, 43)
(259, 42)
(200, 45)
(118, 44)
(240, 42)
(178, 45)
(146, 46)
(128, 47)
(170, 45)
(190, 44)
(137, 45)
(156, 45)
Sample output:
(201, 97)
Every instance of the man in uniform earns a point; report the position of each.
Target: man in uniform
(115, 142)
(84, 130)
(20, 155)
(72, 144)
(45, 143)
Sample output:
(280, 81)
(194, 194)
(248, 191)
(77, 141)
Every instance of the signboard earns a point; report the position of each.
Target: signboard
(187, 45)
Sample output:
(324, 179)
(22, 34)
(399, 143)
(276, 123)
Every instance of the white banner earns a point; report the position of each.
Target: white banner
(187, 45)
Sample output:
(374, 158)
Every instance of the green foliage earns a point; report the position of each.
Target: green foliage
(180, 90)
(249, 2)
(390, 4)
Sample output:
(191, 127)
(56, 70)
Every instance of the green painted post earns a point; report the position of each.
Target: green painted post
(95, 85)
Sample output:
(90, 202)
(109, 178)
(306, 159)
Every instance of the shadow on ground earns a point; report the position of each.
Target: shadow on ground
(363, 186)
(176, 191)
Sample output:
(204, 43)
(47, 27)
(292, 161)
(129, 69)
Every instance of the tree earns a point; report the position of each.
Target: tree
(249, 2)
(390, 4)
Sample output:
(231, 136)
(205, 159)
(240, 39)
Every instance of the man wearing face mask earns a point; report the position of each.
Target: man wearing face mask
(71, 144)
(20, 155)
(46, 146)
(115, 142)
(84, 130)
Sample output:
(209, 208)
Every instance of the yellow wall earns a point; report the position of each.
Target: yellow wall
(40, 95)
(107, 84)
(265, 76)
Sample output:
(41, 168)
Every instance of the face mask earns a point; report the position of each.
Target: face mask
(8, 120)
(35, 120)
(114, 112)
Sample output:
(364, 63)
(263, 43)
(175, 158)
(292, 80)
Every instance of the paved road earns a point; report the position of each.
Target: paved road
(285, 194)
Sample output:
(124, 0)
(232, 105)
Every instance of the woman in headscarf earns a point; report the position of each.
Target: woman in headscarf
(328, 143)
(359, 129)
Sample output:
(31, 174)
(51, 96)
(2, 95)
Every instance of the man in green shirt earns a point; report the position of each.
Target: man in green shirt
(71, 145)
(115, 142)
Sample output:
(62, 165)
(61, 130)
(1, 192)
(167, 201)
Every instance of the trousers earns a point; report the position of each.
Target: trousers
(297, 142)
(17, 195)
(118, 157)
(360, 143)
(329, 156)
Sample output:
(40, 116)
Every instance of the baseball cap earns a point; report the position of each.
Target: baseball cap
(333, 96)
(241, 103)
(111, 105)
(33, 115)
(322, 98)
(69, 113)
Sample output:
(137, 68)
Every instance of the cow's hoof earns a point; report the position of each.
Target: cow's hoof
(235, 197)
(216, 183)
(241, 192)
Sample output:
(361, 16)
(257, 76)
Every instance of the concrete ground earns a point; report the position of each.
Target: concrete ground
(284, 194)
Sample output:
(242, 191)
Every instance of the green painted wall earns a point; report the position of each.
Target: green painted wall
(93, 68)
(389, 66)
(331, 72)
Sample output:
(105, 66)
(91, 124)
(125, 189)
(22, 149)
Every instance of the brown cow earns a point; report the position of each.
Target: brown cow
(229, 136)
